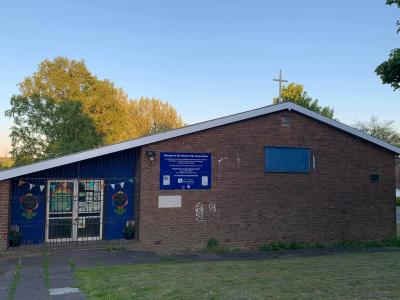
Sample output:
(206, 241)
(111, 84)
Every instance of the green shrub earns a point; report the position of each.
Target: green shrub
(281, 246)
(394, 242)
(213, 247)
(265, 247)
(212, 243)
(129, 231)
(318, 245)
(296, 245)
(14, 238)
(398, 201)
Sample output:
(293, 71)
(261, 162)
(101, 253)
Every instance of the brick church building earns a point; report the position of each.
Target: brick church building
(278, 173)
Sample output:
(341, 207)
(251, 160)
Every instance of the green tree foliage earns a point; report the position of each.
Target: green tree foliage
(6, 162)
(63, 79)
(295, 93)
(384, 130)
(389, 70)
(151, 115)
(44, 128)
(63, 108)
(396, 3)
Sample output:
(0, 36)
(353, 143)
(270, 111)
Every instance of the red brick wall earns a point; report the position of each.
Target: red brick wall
(336, 202)
(4, 203)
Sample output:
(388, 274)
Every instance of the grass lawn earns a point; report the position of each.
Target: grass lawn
(366, 275)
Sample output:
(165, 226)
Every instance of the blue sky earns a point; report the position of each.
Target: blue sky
(210, 58)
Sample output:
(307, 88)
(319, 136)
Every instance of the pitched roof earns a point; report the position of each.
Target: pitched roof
(60, 161)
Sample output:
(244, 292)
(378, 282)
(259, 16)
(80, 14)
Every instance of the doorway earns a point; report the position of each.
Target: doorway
(74, 210)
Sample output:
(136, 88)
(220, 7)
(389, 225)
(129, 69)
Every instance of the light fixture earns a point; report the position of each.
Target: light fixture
(151, 155)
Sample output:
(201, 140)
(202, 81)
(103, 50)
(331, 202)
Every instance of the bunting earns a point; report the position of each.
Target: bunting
(121, 183)
(41, 187)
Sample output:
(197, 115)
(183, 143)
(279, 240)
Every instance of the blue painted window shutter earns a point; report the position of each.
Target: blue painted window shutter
(287, 160)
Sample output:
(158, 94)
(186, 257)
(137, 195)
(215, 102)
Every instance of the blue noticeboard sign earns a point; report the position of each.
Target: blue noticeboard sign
(189, 171)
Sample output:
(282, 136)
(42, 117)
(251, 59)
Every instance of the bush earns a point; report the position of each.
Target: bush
(212, 243)
(14, 238)
(394, 242)
(129, 231)
(398, 201)
(213, 247)
(282, 246)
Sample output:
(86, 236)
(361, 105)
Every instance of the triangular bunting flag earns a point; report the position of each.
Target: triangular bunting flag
(31, 186)
(112, 185)
(122, 183)
(21, 182)
(41, 188)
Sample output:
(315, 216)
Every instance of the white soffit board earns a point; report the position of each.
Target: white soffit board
(64, 160)
(169, 201)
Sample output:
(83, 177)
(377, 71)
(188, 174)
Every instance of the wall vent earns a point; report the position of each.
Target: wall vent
(286, 121)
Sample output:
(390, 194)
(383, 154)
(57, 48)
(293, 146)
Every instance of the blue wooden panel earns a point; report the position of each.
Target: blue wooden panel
(116, 165)
(287, 160)
(112, 168)
(29, 218)
(119, 208)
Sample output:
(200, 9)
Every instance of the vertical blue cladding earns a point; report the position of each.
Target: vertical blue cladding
(118, 209)
(28, 209)
(118, 172)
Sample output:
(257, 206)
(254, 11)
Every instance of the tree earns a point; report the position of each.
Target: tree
(63, 108)
(295, 93)
(396, 3)
(384, 130)
(389, 70)
(63, 79)
(44, 128)
(6, 162)
(151, 115)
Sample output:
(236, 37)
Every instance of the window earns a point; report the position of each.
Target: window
(287, 160)
(375, 178)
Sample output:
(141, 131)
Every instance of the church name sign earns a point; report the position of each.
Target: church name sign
(185, 171)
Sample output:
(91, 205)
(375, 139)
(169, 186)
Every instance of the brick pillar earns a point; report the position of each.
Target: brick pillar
(4, 209)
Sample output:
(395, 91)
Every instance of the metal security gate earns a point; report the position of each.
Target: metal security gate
(54, 212)
(74, 210)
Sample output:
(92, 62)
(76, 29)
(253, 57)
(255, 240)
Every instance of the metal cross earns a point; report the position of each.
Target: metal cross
(280, 85)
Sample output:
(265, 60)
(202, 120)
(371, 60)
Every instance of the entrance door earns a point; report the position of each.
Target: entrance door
(74, 210)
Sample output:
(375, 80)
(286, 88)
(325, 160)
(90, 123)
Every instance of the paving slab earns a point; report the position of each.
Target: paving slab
(60, 272)
(63, 284)
(99, 257)
(73, 296)
(7, 270)
(31, 284)
(63, 291)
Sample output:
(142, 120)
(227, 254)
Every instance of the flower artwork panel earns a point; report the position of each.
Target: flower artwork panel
(119, 201)
(29, 203)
